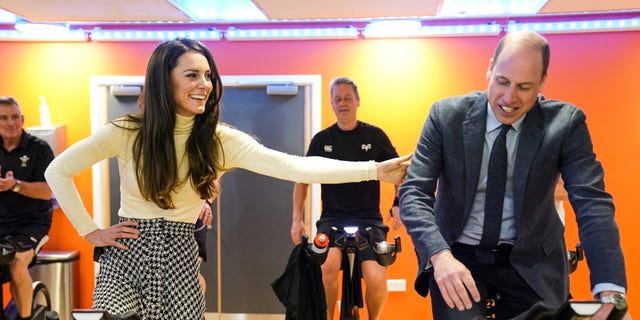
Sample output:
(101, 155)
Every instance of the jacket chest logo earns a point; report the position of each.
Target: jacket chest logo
(366, 147)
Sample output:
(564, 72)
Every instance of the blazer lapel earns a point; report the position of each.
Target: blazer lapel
(531, 134)
(474, 128)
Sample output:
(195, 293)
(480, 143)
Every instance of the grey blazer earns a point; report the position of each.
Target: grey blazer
(554, 140)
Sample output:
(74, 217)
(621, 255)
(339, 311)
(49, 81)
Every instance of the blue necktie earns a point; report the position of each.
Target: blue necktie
(496, 184)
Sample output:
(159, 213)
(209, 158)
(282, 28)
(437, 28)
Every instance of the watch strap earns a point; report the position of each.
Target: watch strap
(612, 298)
(16, 187)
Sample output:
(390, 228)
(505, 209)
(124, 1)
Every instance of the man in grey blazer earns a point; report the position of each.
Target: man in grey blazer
(547, 139)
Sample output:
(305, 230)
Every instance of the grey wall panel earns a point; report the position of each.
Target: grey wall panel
(256, 210)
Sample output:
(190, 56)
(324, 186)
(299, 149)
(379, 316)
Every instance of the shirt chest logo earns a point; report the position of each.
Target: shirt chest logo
(23, 161)
(365, 146)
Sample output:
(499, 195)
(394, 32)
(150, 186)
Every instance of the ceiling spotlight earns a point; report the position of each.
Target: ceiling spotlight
(395, 25)
(27, 26)
(392, 28)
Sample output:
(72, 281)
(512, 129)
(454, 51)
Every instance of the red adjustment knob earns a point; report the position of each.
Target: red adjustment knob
(321, 240)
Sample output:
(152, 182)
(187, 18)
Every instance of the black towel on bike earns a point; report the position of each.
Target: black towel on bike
(352, 295)
(300, 288)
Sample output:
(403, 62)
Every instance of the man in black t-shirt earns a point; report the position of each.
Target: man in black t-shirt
(349, 203)
(25, 198)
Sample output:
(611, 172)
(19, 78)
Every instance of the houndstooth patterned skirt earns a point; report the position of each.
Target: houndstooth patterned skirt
(157, 276)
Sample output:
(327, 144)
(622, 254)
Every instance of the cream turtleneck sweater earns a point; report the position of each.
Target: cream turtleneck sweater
(240, 151)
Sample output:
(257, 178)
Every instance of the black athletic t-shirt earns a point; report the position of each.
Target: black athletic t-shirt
(365, 142)
(28, 162)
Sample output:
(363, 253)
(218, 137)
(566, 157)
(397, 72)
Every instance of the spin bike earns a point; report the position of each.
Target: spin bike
(351, 240)
(41, 306)
(570, 309)
(573, 256)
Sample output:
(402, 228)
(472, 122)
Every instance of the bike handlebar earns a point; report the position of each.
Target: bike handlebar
(81, 314)
(572, 310)
(351, 239)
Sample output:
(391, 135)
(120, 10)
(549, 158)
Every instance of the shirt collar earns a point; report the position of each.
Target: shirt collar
(23, 141)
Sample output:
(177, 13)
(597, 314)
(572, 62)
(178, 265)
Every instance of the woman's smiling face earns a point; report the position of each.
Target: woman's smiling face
(191, 81)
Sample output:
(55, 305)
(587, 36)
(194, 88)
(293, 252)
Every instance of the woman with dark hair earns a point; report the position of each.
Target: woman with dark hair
(168, 157)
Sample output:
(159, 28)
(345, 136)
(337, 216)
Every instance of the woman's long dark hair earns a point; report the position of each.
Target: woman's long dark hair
(154, 148)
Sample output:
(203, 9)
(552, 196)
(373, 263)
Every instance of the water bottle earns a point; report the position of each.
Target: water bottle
(319, 248)
(320, 243)
(385, 252)
(45, 115)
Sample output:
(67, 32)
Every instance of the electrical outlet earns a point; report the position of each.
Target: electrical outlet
(397, 285)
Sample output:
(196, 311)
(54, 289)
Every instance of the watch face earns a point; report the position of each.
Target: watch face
(16, 187)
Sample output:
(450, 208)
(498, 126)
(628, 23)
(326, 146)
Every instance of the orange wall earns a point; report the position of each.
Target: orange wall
(399, 80)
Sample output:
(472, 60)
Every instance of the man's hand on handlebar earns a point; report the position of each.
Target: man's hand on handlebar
(606, 309)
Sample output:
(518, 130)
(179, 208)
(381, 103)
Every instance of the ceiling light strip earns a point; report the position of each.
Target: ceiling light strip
(371, 32)
(43, 36)
(291, 34)
(153, 35)
(608, 25)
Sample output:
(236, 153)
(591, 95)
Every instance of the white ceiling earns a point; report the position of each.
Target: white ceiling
(106, 12)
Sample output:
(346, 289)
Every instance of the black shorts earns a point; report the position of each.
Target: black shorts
(380, 231)
(27, 237)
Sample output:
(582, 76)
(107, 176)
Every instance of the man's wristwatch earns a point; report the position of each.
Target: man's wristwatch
(613, 298)
(16, 187)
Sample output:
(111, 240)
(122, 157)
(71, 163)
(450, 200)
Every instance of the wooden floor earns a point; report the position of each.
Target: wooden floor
(242, 316)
